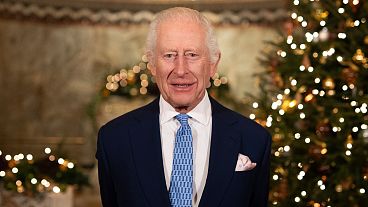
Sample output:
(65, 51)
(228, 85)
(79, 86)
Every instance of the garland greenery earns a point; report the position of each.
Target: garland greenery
(24, 174)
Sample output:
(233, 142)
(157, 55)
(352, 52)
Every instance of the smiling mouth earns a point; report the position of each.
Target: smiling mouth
(182, 85)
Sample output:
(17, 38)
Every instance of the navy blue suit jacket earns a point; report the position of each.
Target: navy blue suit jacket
(130, 165)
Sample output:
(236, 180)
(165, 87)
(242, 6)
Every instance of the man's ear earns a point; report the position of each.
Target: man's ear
(214, 65)
(150, 65)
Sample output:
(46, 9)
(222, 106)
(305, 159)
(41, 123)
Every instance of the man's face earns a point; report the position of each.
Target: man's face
(181, 64)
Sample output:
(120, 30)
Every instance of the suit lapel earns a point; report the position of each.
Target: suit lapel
(147, 153)
(223, 156)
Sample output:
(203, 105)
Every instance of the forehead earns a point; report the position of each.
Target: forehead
(181, 33)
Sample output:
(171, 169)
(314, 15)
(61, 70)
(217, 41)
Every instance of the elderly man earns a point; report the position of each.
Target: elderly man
(184, 148)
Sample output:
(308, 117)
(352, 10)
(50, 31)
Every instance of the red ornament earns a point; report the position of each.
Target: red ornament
(289, 27)
(306, 61)
(315, 152)
(324, 129)
(349, 75)
(354, 7)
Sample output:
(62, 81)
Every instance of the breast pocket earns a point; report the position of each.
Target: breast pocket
(241, 184)
(243, 177)
(240, 188)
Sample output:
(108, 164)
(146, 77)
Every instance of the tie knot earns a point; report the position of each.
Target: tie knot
(183, 119)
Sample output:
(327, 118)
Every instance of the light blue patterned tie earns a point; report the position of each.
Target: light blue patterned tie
(181, 185)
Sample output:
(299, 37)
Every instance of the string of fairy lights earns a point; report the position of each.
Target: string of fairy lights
(304, 94)
(21, 173)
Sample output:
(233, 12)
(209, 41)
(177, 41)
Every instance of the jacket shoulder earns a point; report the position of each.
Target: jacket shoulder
(131, 117)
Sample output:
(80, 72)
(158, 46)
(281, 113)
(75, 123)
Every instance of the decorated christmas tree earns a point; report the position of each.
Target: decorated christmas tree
(314, 102)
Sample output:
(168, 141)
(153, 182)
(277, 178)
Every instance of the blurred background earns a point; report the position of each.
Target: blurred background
(69, 66)
(55, 57)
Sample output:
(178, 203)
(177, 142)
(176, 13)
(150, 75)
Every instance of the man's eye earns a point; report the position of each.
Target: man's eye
(191, 54)
(169, 55)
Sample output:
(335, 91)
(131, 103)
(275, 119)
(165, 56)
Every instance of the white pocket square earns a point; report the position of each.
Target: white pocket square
(244, 163)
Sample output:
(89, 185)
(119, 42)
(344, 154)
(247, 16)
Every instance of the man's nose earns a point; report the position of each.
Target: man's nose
(181, 66)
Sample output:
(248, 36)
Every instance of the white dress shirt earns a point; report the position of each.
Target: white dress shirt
(201, 125)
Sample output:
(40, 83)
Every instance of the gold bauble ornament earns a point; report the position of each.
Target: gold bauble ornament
(338, 188)
(349, 23)
(320, 14)
(285, 105)
(328, 83)
(288, 104)
(298, 51)
(309, 98)
(359, 56)
(323, 60)
(331, 92)
(349, 139)
(276, 137)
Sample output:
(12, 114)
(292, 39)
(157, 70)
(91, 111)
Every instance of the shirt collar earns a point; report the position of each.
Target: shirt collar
(201, 113)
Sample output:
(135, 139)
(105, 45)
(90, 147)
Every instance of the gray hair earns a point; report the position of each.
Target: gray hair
(178, 13)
